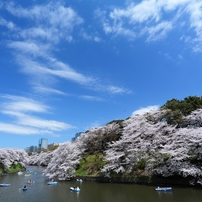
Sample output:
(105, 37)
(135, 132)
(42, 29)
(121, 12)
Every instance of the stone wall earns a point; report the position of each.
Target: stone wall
(147, 180)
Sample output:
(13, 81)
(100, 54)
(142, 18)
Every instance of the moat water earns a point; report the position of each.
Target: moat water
(39, 191)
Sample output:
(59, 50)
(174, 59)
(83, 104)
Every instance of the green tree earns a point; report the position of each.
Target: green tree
(179, 108)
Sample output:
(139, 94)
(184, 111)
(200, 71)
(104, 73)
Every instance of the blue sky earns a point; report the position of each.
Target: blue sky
(69, 66)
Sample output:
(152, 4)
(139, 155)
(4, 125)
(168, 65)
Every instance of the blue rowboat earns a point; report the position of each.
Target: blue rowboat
(163, 189)
(52, 183)
(4, 185)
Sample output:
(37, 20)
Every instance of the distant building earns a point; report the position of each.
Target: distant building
(31, 149)
(43, 144)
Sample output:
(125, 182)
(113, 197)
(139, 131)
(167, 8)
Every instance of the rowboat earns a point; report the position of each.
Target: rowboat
(163, 189)
(24, 188)
(29, 182)
(20, 173)
(79, 180)
(76, 189)
(52, 183)
(4, 185)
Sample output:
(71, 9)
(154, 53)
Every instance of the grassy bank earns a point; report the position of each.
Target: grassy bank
(14, 168)
(90, 165)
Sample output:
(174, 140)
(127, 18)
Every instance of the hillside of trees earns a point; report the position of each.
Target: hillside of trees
(12, 160)
(166, 142)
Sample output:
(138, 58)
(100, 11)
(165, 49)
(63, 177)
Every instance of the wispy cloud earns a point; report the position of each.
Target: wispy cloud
(90, 36)
(137, 19)
(47, 90)
(34, 43)
(18, 130)
(159, 31)
(10, 25)
(117, 90)
(22, 104)
(51, 68)
(91, 98)
(52, 21)
(30, 48)
(21, 109)
(154, 19)
(49, 125)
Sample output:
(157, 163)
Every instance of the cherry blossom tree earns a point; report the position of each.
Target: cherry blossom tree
(159, 148)
(42, 158)
(10, 157)
(146, 143)
(65, 159)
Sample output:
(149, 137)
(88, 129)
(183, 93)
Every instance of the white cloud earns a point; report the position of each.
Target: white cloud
(91, 98)
(50, 125)
(145, 10)
(34, 42)
(117, 90)
(45, 71)
(91, 37)
(173, 4)
(49, 23)
(10, 25)
(154, 19)
(48, 70)
(195, 10)
(40, 33)
(145, 110)
(130, 20)
(97, 39)
(30, 48)
(16, 129)
(159, 31)
(52, 21)
(21, 110)
(46, 90)
(22, 104)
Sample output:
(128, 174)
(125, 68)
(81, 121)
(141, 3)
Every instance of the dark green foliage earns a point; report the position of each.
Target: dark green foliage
(140, 165)
(179, 108)
(184, 107)
(1, 168)
(117, 122)
(173, 117)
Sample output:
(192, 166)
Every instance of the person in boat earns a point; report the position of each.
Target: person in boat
(25, 187)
